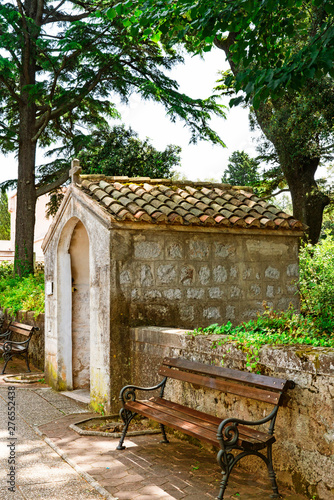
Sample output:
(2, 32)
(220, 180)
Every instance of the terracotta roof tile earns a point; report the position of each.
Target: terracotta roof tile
(190, 203)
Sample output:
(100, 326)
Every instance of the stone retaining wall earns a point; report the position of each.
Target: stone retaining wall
(36, 346)
(304, 452)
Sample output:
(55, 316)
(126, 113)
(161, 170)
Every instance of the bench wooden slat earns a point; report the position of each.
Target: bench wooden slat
(21, 326)
(222, 385)
(190, 413)
(275, 384)
(22, 329)
(14, 329)
(200, 429)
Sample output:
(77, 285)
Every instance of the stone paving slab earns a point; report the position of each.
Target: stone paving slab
(149, 470)
(40, 472)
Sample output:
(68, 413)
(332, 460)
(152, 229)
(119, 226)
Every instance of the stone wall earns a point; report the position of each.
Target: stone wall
(304, 451)
(186, 278)
(36, 346)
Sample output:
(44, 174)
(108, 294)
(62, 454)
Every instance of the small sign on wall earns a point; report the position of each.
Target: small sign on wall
(49, 287)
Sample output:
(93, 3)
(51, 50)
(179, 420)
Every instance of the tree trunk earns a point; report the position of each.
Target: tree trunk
(26, 193)
(298, 169)
(307, 200)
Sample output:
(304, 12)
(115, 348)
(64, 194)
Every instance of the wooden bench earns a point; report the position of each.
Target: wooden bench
(11, 348)
(228, 434)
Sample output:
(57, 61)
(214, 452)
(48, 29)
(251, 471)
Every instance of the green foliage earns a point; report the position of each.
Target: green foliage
(242, 170)
(280, 54)
(4, 217)
(112, 151)
(21, 293)
(280, 43)
(119, 151)
(270, 327)
(316, 282)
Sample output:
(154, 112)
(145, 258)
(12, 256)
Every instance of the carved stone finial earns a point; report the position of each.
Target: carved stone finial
(75, 171)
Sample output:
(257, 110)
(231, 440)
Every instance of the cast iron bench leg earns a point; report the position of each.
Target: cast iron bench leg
(126, 416)
(272, 475)
(164, 440)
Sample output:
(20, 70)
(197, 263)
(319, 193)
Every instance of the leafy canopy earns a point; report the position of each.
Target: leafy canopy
(269, 63)
(112, 151)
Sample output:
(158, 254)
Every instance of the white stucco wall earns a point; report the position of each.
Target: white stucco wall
(58, 322)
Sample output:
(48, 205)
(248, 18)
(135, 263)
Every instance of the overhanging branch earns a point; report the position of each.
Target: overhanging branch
(40, 190)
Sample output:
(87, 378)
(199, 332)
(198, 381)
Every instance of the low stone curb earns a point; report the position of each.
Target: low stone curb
(76, 467)
(113, 435)
(27, 378)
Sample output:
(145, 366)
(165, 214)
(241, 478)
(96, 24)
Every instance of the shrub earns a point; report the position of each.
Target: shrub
(21, 293)
(316, 282)
(270, 327)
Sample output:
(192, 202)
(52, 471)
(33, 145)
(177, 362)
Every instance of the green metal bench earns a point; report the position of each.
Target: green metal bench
(10, 348)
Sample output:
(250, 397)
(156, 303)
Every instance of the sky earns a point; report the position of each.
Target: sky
(201, 161)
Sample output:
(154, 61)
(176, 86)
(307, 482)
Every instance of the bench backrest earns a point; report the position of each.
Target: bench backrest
(246, 384)
(26, 330)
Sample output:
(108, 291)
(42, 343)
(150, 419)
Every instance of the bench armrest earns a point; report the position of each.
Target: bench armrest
(228, 432)
(7, 346)
(128, 393)
(5, 335)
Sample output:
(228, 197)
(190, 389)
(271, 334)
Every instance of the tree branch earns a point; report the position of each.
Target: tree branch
(40, 190)
(275, 194)
(11, 90)
(62, 18)
(69, 106)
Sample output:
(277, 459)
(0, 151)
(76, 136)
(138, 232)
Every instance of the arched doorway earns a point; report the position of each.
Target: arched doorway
(79, 257)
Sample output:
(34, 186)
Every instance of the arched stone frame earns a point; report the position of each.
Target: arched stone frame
(58, 366)
(64, 306)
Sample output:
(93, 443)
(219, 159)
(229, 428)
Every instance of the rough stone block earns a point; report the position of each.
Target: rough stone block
(212, 313)
(174, 251)
(152, 295)
(172, 294)
(233, 272)
(204, 275)
(293, 270)
(187, 275)
(125, 277)
(215, 292)
(255, 289)
(195, 293)
(272, 273)
(224, 251)
(187, 312)
(166, 273)
(235, 292)
(199, 250)
(146, 275)
(147, 249)
(230, 312)
(219, 274)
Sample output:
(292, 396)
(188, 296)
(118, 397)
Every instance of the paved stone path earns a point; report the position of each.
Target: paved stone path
(148, 469)
(92, 468)
(40, 472)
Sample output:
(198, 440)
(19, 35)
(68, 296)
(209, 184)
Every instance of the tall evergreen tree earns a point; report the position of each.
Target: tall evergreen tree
(60, 63)
(242, 170)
